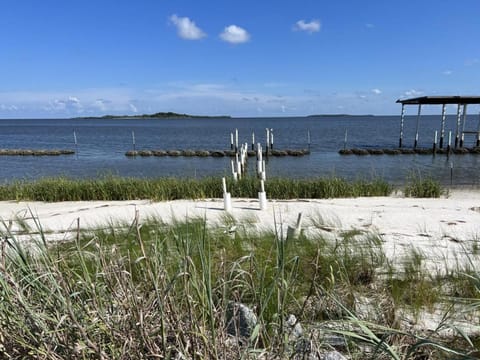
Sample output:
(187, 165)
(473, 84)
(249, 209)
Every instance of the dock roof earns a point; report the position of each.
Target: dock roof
(440, 100)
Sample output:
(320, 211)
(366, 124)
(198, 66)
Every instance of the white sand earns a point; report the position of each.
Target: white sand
(441, 229)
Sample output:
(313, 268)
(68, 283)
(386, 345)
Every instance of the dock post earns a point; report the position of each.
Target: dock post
(308, 139)
(435, 143)
(459, 117)
(345, 139)
(464, 120)
(231, 141)
(402, 119)
(478, 132)
(271, 139)
(418, 122)
(253, 140)
(442, 129)
(236, 141)
(449, 147)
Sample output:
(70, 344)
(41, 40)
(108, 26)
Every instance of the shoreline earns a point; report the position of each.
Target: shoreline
(444, 230)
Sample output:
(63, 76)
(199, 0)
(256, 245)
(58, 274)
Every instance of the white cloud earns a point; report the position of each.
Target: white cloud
(376, 91)
(447, 72)
(8, 107)
(310, 27)
(101, 104)
(133, 108)
(186, 28)
(235, 35)
(413, 92)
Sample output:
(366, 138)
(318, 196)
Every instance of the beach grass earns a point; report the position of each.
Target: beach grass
(147, 289)
(420, 187)
(161, 189)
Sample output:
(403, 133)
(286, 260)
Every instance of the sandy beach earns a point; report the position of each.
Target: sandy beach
(445, 230)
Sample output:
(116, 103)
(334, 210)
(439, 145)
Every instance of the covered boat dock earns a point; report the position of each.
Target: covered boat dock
(461, 116)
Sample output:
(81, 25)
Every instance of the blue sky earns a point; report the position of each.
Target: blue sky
(239, 58)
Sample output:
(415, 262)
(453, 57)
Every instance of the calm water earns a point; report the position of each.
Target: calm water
(102, 145)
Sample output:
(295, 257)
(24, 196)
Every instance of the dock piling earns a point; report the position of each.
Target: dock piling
(402, 119)
(418, 122)
(442, 129)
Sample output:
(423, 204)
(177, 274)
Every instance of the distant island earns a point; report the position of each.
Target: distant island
(338, 115)
(159, 115)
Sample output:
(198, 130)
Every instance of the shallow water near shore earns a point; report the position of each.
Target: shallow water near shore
(102, 144)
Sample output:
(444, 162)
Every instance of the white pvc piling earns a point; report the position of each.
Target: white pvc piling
(293, 232)
(263, 174)
(253, 141)
(271, 139)
(224, 185)
(231, 141)
(133, 140)
(262, 196)
(267, 144)
(75, 141)
(227, 199)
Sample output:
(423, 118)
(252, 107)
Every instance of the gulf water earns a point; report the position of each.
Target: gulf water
(102, 144)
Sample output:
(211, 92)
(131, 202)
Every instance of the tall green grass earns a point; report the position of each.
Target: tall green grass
(148, 289)
(422, 187)
(117, 188)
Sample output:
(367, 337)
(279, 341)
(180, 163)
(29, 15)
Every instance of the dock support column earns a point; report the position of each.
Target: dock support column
(463, 124)
(442, 128)
(418, 122)
(478, 132)
(402, 118)
(459, 118)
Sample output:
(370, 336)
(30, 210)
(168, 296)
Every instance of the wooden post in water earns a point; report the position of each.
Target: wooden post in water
(231, 141)
(271, 139)
(402, 119)
(308, 140)
(345, 139)
(253, 140)
(464, 120)
(442, 129)
(418, 122)
(435, 143)
(459, 117)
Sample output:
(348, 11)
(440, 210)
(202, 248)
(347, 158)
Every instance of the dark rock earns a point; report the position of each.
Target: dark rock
(241, 320)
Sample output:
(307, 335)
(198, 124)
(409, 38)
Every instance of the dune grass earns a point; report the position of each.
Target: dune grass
(150, 289)
(117, 188)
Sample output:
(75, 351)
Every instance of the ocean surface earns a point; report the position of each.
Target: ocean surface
(102, 144)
